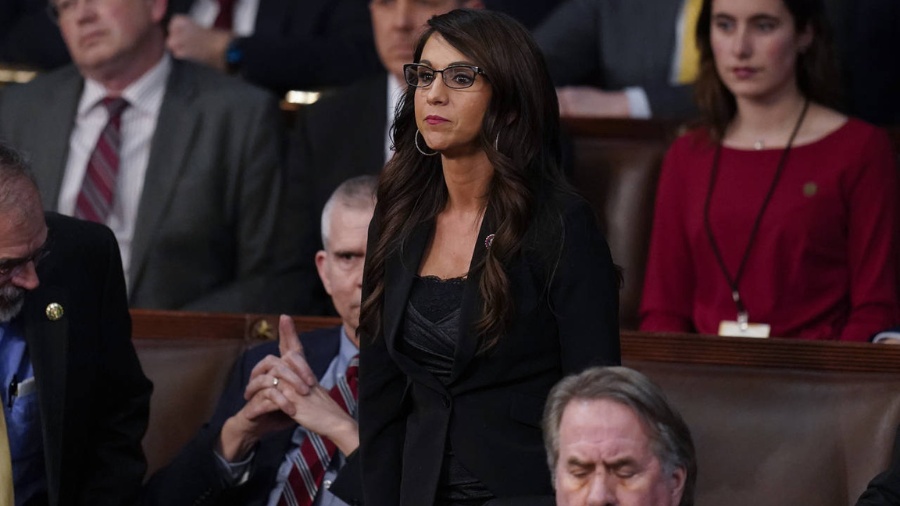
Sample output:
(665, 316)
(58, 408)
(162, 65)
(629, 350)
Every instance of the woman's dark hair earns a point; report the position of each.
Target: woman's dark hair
(817, 74)
(519, 134)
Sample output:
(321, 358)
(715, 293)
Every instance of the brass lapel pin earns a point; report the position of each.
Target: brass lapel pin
(54, 311)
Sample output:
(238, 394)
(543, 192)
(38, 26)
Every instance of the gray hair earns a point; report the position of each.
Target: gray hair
(18, 188)
(670, 437)
(355, 193)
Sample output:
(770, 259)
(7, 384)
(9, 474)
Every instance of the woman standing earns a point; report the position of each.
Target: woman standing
(779, 216)
(486, 279)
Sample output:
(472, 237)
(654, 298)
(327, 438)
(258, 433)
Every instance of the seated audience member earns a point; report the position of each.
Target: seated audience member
(632, 58)
(612, 438)
(76, 406)
(327, 148)
(778, 217)
(279, 44)
(276, 399)
(884, 489)
(182, 163)
(28, 36)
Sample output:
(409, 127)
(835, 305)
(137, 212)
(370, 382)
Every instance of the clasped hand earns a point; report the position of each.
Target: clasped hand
(283, 391)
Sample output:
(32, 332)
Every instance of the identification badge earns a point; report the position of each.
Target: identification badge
(742, 329)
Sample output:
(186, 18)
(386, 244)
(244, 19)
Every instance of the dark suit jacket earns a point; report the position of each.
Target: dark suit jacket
(193, 477)
(207, 219)
(565, 290)
(884, 489)
(306, 44)
(29, 37)
(614, 44)
(339, 137)
(94, 398)
(867, 39)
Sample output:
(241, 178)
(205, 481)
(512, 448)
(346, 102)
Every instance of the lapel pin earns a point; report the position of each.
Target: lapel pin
(488, 241)
(54, 311)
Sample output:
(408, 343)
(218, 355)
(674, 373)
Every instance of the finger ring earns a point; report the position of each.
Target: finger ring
(275, 381)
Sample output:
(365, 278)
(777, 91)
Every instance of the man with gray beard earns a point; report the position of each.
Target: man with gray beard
(74, 399)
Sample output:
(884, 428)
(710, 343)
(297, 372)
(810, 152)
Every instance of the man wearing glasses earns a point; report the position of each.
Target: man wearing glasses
(276, 401)
(74, 399)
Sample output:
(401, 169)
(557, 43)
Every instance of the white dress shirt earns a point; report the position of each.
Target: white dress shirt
(144, 98)
(204, 13)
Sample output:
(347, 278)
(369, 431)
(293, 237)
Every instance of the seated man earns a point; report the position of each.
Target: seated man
(612, 438)
(182, 163)
(273, 407)
(632, 58)
(76, 406)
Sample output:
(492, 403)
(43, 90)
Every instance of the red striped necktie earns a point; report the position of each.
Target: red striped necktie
(225, 18)
(95, 200)
(316, 452)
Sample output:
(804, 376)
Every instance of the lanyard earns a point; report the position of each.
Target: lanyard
(733, 282)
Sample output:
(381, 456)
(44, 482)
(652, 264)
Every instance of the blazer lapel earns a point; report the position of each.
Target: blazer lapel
(472, 302)
(399, 274)
(48, 346)
(175, 131)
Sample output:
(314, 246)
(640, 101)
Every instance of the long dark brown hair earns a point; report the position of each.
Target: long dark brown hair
(817, 73)
(519, 134)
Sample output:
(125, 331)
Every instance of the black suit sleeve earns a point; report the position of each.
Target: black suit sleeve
(113, 471)
(584, 294)
(884, 489)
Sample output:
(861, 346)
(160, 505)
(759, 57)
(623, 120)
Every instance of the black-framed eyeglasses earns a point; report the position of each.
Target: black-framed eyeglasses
(13, 267)
(454, 76)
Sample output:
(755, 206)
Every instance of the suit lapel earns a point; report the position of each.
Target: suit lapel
(472, 302)
(175, 131)
(55, 127)
(48, 345)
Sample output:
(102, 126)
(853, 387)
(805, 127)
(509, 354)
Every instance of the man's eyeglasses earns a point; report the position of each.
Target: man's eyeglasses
(13, 267)
(454, 76)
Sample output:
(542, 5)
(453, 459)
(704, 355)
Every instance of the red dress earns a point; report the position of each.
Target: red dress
(823, 263)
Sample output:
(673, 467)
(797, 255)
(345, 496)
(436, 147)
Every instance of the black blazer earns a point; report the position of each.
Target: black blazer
(193, 477)
(565, 291)
(94, 398)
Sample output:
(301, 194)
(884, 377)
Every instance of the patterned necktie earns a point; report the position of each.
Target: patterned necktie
(225, 18)
(98, 187)
(317, 452)
(6, 476)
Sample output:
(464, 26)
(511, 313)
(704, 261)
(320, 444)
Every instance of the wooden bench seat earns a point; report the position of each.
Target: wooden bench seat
(776, 422)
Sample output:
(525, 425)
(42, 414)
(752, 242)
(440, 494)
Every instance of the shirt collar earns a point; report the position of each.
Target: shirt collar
(145, 94)
(348, 350)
